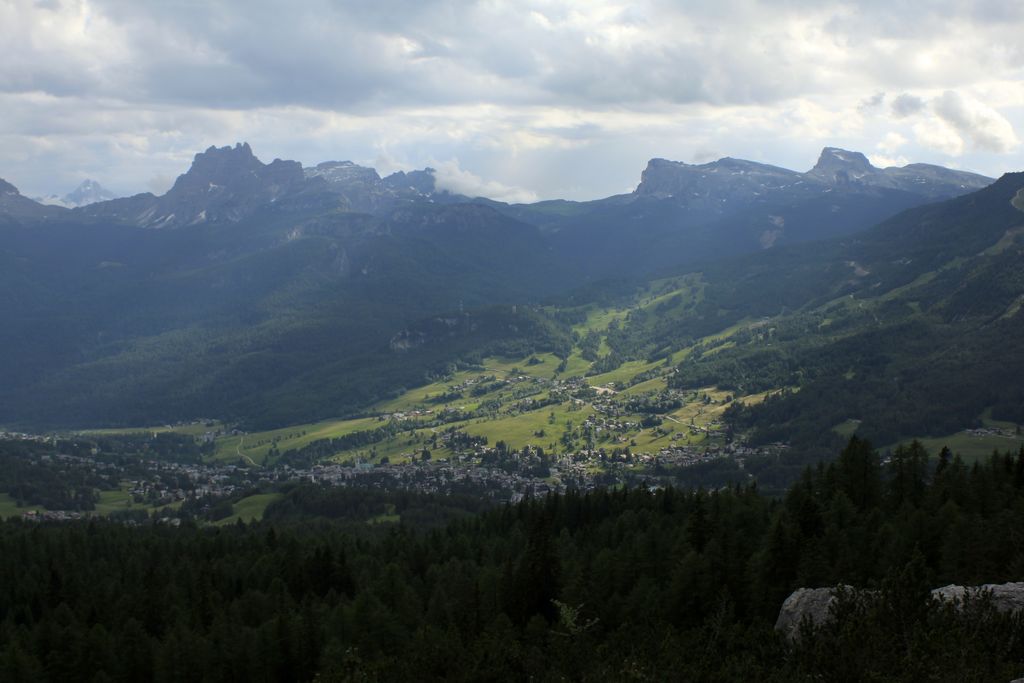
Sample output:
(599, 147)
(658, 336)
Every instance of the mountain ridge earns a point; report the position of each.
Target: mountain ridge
(230, 183)
(835, 167)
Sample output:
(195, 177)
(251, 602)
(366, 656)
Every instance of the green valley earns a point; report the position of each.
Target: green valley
(802, 346)
(305, 336)
(561, 405)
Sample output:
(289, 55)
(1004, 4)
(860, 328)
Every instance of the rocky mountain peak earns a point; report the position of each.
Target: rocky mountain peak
(223, 183)
(226, 184)
(662, 178)
(717, 185)
(236, 168)
(713, 184)
(343, 172)
(361, 189)
(421, 182)
(839, 165)
(7, 189)
(220, 166)
(88, 192)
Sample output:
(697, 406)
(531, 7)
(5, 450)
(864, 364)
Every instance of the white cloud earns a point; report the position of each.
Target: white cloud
(986, 128)
(907, 105)
(887, 151)
(883, 161)
(448, 175)
(891, 142)
(546, 95)
(159, 184)
(873, 102)
(935, 134)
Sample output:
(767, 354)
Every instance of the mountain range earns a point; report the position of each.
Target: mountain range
(228, 184)
(689, 212)
(271, 294)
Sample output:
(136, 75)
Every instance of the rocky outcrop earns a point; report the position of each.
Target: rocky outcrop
(840, 168)
(728, 182)
(358, 188)
(713, 185)
(362, 189)
(229, 184)
(414, 182)
(224, 184)
(1006, 597)
(814, 603)
(345, 173)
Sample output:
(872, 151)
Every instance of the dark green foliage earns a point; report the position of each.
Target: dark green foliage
(607, 585)
(899, 634)
(281, 319)
(55, 486)
(858, 475)
(651, 234)
(835, 324)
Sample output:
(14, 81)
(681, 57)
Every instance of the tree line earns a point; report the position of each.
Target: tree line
(627, 584)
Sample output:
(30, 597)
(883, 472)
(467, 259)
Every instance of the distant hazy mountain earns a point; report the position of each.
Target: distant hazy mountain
(839, 167)
(719, 185)
(362, 189)
(682, 213)
(224, 184)
(689, 211)
(14, 207)
(88, 192)
(229, 184)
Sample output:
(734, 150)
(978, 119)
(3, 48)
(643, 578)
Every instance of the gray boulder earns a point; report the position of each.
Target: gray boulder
(1006, 597)
(814, 603)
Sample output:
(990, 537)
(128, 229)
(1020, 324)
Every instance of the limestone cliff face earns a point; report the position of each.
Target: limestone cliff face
(224, 184)
(716, 185)
(724, 183)
(229, 184)
(841, 168)
(361, 189)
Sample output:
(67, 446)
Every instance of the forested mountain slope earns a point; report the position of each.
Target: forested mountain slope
(910, 328)
(269, 294)
(276, 319)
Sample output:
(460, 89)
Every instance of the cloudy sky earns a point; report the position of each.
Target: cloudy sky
(514, 100)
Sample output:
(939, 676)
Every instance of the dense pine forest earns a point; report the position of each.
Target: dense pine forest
(629, 584)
